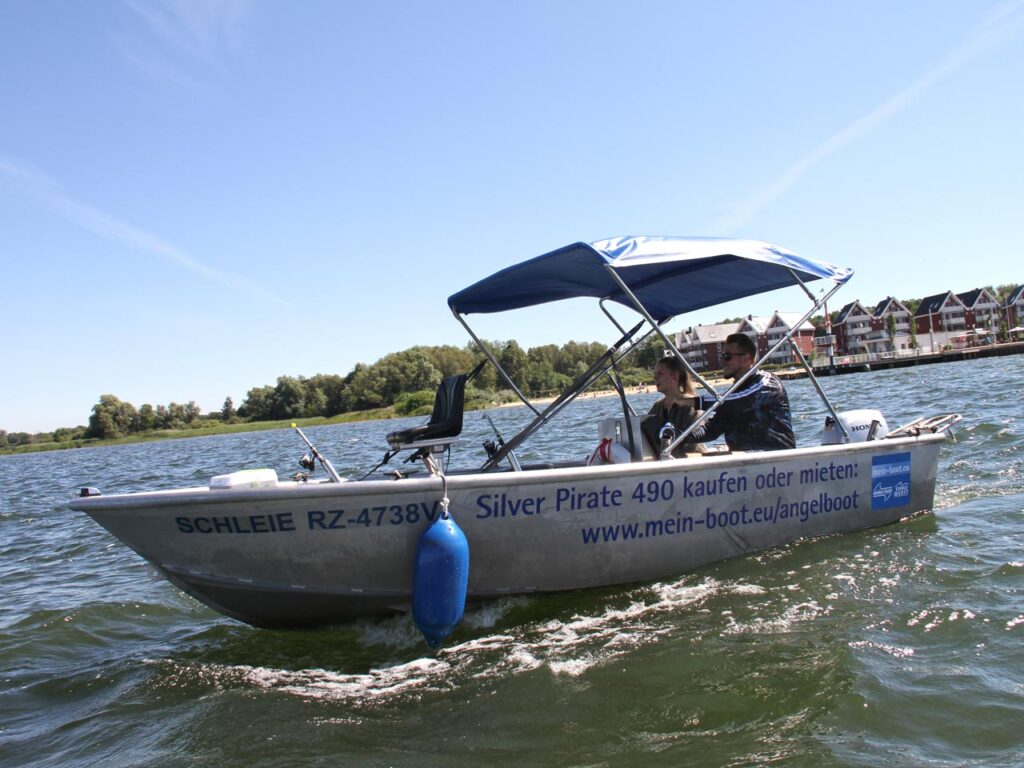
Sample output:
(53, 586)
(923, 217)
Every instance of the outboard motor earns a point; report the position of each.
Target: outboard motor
(861, 425)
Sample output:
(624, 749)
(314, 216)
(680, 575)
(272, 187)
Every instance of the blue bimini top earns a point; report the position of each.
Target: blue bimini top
(668, 275)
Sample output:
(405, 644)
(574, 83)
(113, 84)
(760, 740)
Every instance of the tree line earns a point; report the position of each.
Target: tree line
(403, 382)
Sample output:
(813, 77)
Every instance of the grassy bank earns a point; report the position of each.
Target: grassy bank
(207, 428)
(219, 428)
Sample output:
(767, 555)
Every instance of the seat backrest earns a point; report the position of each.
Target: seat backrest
(446, 418)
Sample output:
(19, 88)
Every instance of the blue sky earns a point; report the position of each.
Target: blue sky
(199, 197)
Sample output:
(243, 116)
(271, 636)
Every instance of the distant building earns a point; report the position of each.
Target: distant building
(778, 326)
(852, 329)
(702, 345)
(757, 329)
(879, 339)
(981, 311)
(1014, 308)
(938, 319)
(945, 319)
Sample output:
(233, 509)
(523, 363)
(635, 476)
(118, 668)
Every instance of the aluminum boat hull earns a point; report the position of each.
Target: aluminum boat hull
(305, 554)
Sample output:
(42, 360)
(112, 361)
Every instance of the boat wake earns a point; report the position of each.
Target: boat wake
(564, 647)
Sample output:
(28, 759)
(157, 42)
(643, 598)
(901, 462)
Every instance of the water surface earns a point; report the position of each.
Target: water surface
(899, 646)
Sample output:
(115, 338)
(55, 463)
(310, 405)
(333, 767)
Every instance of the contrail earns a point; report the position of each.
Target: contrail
(181, 41)
(1003, 24)
(37, 186)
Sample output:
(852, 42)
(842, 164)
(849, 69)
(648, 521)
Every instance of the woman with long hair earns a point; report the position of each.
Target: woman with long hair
(677, 405)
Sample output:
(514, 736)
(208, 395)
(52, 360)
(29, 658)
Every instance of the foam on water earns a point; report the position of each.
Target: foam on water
(791, 616)
(893, 650)
(568, 647)
(319, 683)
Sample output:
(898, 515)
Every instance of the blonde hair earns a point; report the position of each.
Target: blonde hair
(671, 362)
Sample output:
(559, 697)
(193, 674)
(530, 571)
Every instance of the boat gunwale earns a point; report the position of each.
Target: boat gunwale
(290, 490)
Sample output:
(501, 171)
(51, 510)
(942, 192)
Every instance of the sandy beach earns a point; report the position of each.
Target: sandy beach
(638, 390)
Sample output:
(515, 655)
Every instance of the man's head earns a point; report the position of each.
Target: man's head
(738, 357)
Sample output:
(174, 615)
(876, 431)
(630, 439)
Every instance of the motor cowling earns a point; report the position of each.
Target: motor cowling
(861, 425)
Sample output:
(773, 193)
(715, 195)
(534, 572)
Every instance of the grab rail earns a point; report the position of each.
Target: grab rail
(934, 424)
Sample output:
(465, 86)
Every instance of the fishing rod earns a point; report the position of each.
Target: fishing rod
(307, 462)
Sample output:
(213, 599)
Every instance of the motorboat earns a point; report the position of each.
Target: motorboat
(299, 551)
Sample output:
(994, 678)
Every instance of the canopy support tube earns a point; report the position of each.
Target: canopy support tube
(611, 317)
(821, 392)
(657, 329)
(803, 360)
(787, 338)
(490, 356)
(597, 369)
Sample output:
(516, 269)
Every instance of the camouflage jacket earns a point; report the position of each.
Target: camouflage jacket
(754, 418)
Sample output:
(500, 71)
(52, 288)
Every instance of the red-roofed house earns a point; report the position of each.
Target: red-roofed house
(938, 319)
(981, 311)
(1014, 308)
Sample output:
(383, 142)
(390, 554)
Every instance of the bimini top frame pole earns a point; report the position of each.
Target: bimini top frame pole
(656, 327)
(817, 303)
(660, 277)
(494, 361)
(582, 382)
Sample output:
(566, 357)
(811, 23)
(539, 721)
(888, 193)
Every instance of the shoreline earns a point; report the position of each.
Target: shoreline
(263, 426)
(642, 389)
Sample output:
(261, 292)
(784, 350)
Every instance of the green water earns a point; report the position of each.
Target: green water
(900, 646)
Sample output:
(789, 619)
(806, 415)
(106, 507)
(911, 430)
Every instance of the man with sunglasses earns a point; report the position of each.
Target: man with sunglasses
(756, 416)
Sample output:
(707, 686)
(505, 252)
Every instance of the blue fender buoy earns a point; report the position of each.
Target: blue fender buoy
(440, 578)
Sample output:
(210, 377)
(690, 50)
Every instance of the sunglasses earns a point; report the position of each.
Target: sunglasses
(727, 356)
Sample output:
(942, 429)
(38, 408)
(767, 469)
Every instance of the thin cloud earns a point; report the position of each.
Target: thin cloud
(182, 41)
(1003, 23)
(33, 184)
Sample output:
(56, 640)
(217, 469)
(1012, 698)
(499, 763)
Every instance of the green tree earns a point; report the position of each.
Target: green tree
(316, 402)
(227, 411)
(575, 356)
(543, 379)
(192, 412)
(289, 398)
(487, 379)
(514, 360)
(324, 392)
(175, 416)
(147, 418)
(257, 404)
(415, 403)
(890, 329)
(62, 435)
(111, 418)
(549, 353)
(19, 438)
(381, 384)
(450, 360)
(342, 399)
(364, 388)
(650, 352)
